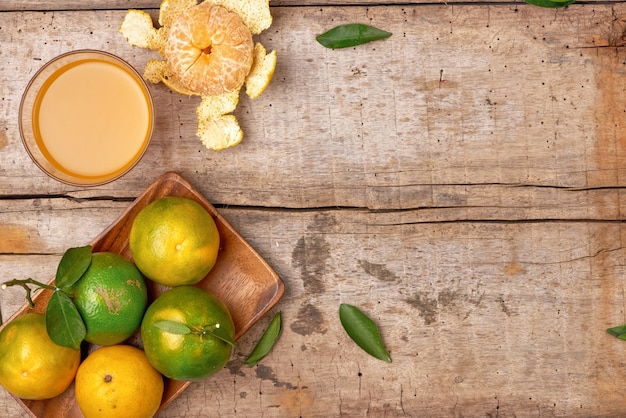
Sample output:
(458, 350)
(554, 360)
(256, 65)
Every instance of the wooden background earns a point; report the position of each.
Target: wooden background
(462, 182)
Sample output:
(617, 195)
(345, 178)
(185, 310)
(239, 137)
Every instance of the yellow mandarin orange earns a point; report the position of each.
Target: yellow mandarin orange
(117, 381)
(32, 366)
(174, 241)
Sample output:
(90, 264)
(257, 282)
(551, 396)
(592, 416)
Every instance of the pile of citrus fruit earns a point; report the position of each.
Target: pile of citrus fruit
(186, 333)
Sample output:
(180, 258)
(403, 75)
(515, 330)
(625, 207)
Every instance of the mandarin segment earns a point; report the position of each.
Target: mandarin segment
(169, 11)
(171, 81)
(156, 71)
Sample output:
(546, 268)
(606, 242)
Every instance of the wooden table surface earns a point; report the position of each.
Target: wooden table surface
(462, 182)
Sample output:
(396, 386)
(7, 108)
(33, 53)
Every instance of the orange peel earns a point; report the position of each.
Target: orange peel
(216, 127)
(139, 31)
(255, 13)
(261, 72)
(208, 51)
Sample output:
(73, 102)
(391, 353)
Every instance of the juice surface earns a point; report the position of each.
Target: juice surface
(92, 118)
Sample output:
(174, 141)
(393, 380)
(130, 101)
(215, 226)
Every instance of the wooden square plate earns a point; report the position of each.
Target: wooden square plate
(240, 278)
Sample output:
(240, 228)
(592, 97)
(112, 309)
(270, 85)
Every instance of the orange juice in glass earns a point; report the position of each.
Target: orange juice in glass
(86, 117)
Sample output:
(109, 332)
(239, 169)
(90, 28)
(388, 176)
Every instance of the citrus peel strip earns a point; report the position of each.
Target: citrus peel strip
(139, 31)
(255, 13)
(262, 71)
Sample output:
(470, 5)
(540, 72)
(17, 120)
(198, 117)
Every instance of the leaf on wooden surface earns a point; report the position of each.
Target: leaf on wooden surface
(64, 324)
(267, 341)
(352, 34)
(550, 3)
(619, 332)
(363, 331)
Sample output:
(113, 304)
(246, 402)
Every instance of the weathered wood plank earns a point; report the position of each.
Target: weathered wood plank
(517, 127)
(480, 318)
(474, 213)
(47, 5)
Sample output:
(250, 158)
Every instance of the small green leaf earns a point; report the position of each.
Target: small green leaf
(63, 321)
(72, 266)
(267, 341)
(220, 333)
(173, 327)
(619, 332)
(352, 34)
(363, 331)
(550, 3)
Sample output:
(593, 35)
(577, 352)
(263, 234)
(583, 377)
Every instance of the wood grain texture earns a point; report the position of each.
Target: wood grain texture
(48, 5)
(375, 127)
(461, 182)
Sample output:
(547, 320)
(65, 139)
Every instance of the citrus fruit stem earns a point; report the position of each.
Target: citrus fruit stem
(24, 283)
(214, 330)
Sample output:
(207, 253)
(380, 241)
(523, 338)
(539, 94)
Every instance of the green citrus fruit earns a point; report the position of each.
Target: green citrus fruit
(118, 382)
(192, 355)
(111, 297)
(32, 366)
(174, 241)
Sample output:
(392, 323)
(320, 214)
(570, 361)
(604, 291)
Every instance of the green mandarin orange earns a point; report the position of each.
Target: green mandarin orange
(193, 355)
(111, 297)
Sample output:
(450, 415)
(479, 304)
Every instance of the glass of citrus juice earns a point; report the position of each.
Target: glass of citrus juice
(86, 117)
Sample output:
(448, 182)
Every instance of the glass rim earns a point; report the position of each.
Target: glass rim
(25, 122)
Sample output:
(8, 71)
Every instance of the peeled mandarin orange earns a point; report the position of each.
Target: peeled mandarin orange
(209, 49)
(194, 51)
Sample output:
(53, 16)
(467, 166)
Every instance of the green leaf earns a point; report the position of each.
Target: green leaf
(220, 333)
(619, 332)
(63, 321)
(72, 266)
(352, 34)
(363, 331)
(267, 341)
(550, 3)
(173, 327)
